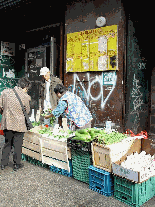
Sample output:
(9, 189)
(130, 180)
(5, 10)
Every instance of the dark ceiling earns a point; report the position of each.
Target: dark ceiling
(25, 15)
(19, 16)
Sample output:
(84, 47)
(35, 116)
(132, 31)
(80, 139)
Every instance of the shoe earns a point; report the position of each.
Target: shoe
(3, 167)
(18, 166)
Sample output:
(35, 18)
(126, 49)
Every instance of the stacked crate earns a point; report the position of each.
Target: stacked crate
(57, 156)
(132, 187)
(104, 156)
(133, 194)
(81, 159)
(101, 181)
(32, 145)
(100, 177)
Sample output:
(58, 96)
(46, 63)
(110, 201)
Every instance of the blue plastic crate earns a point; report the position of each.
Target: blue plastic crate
(63, 171)
(101, 181)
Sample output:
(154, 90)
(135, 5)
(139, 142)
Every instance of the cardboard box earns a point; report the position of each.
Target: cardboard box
(103, 156)
(131, 175)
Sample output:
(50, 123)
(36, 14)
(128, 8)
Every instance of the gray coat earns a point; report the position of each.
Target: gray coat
(53, 97)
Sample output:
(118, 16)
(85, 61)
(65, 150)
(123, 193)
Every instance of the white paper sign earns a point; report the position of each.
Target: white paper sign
(102, 44)
(102, 63)
(85, 65)
(130, 174)
(121, 171)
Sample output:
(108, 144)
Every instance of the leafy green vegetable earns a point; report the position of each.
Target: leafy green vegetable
(36, 123)
(45, 131)
(52, 119)
(99, 136)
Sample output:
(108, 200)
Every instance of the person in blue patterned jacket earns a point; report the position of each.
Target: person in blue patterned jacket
(71, 107)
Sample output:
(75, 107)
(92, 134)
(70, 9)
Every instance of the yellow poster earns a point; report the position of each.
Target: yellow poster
(93, 43)
(77, 65)
(93, 50)
(77, 44)
(70, 50)
(94, 63)
(69, 65)
(112, 50)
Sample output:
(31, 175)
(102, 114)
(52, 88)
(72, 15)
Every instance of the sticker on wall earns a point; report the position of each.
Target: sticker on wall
(7, 48)
(10, 74)
(38, 62)
(109, 78)
(102, 44)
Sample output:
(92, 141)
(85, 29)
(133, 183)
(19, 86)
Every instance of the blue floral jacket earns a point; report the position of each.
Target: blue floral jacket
(76, 111)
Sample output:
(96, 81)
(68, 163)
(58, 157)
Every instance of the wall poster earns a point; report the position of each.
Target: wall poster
(92, 50)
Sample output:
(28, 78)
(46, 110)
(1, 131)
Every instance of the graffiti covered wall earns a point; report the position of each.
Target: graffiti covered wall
(102, 92)
(137, 85)
(93, 90)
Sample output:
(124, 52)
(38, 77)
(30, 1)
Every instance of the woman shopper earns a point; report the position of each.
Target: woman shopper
(13, 121)
(72, 107)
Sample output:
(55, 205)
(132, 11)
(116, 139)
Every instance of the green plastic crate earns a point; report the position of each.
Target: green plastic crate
(34, 161)
(133, 194)
(81, 160)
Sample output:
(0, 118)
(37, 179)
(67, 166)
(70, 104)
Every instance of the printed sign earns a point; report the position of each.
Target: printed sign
(130, 174)
(109, 78)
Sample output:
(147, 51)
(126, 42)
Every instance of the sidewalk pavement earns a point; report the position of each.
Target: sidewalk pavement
(34, 186)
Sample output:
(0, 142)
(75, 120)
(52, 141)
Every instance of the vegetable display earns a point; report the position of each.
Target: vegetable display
(86, 135)
(99, 136)
(61, 134)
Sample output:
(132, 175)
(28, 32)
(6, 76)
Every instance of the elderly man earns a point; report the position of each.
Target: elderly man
(47, 97)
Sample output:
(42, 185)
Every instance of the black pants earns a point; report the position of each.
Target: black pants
(15, 139)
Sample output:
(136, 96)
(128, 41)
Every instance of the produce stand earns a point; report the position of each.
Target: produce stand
(46, 149)
(95, 157)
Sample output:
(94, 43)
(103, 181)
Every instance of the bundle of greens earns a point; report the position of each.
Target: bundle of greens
(99, 136)
(36, 123)
(110, 138)
(52, 119)
(45, 130)
(60, 135)
(86, 135)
